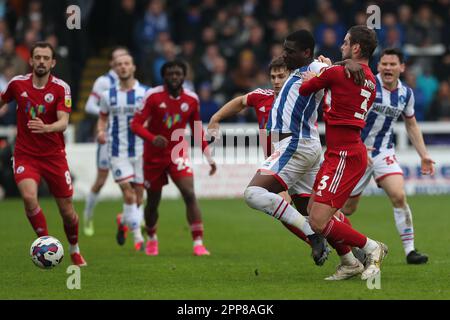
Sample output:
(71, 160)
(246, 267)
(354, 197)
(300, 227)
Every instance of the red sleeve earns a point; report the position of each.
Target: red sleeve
(137, 124)
(64, 102)
(252, 99)
(321, 81)
(197, 128)
(8, 94)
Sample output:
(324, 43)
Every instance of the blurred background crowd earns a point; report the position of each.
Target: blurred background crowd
(228, 44)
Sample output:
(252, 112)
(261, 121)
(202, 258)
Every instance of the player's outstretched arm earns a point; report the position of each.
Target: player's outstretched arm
(36, 125)
(313, 83)
(415, 135)
(229, 109)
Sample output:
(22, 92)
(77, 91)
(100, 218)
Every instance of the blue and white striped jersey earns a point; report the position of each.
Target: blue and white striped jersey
(294, 113)
(120, 106)
(102, 83)
(385, 111)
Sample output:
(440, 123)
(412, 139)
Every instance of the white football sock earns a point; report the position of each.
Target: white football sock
(74, 248)
(404, 223)
(348, 259)
(198, 242)
(370, 246)
(274, 205)
(91, 201)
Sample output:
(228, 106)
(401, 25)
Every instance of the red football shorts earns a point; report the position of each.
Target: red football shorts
(156, 171)
(339, 174)
(54, 170)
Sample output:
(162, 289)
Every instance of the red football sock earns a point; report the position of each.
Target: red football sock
(298, 233)
(197, 230)
(38, 222)
(71, 231)
(337, 231)
(344, 218)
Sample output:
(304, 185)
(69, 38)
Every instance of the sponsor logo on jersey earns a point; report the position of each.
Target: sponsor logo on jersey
(49, 98)
(170, 120)
(184, 107)
(34, 111)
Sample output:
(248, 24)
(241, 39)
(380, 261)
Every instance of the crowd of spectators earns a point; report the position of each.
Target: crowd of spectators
(228, 44)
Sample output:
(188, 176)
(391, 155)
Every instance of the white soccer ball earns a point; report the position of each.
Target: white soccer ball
(46, 252)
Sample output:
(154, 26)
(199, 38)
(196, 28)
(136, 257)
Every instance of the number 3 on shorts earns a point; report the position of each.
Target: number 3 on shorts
(323, 183)
(68, 177)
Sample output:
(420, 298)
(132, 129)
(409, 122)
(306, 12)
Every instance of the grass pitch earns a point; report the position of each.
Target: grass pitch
(253, 256)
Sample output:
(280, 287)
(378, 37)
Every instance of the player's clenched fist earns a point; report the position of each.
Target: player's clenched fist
(101, 137)
(160, 142)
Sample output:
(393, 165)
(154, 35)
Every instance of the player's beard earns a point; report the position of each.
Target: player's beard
(41, 72)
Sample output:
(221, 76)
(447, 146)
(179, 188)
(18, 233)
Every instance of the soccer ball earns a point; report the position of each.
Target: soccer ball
(46, 252)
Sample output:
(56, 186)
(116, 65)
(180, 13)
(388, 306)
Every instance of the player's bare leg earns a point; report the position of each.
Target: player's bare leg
(151, 215)
(262, 194)
(193, 213)
(91, 201)
(131, 216)
(321, 218)
(139, 190)
(28, 189)
(70, 219)
(394, 187)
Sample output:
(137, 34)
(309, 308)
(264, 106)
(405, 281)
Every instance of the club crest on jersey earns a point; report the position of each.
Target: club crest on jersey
(262, 109)
(117, 173)
(170, 120)
(402, 99)
(163, 105)
(34, 111)
(49, 98)
(184, 107)
(20, 169)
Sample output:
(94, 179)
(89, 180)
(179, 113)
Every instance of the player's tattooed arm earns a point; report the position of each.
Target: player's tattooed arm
(36, 125)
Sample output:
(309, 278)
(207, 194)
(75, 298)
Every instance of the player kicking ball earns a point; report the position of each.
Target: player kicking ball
(345, 107)
(43, 107)
(167, 110)
(117, 108)
(393, 99)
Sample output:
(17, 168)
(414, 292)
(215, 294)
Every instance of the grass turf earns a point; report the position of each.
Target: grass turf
(253, 257)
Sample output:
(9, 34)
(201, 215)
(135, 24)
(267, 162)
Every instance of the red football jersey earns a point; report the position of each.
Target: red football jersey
(167, 116)
(262, 100)
(42, 103)
(344, 103)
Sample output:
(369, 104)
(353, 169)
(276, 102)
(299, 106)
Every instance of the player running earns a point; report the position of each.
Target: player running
(43, 107)
(117, 108)
(168, 108)
(393, 99)
(104, 82)
(345, 108)
(297, 150)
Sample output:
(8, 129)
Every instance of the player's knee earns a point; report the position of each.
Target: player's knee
(188, 196)
(398, 199)
(316, 225)
(252, 195)
(30, 199)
